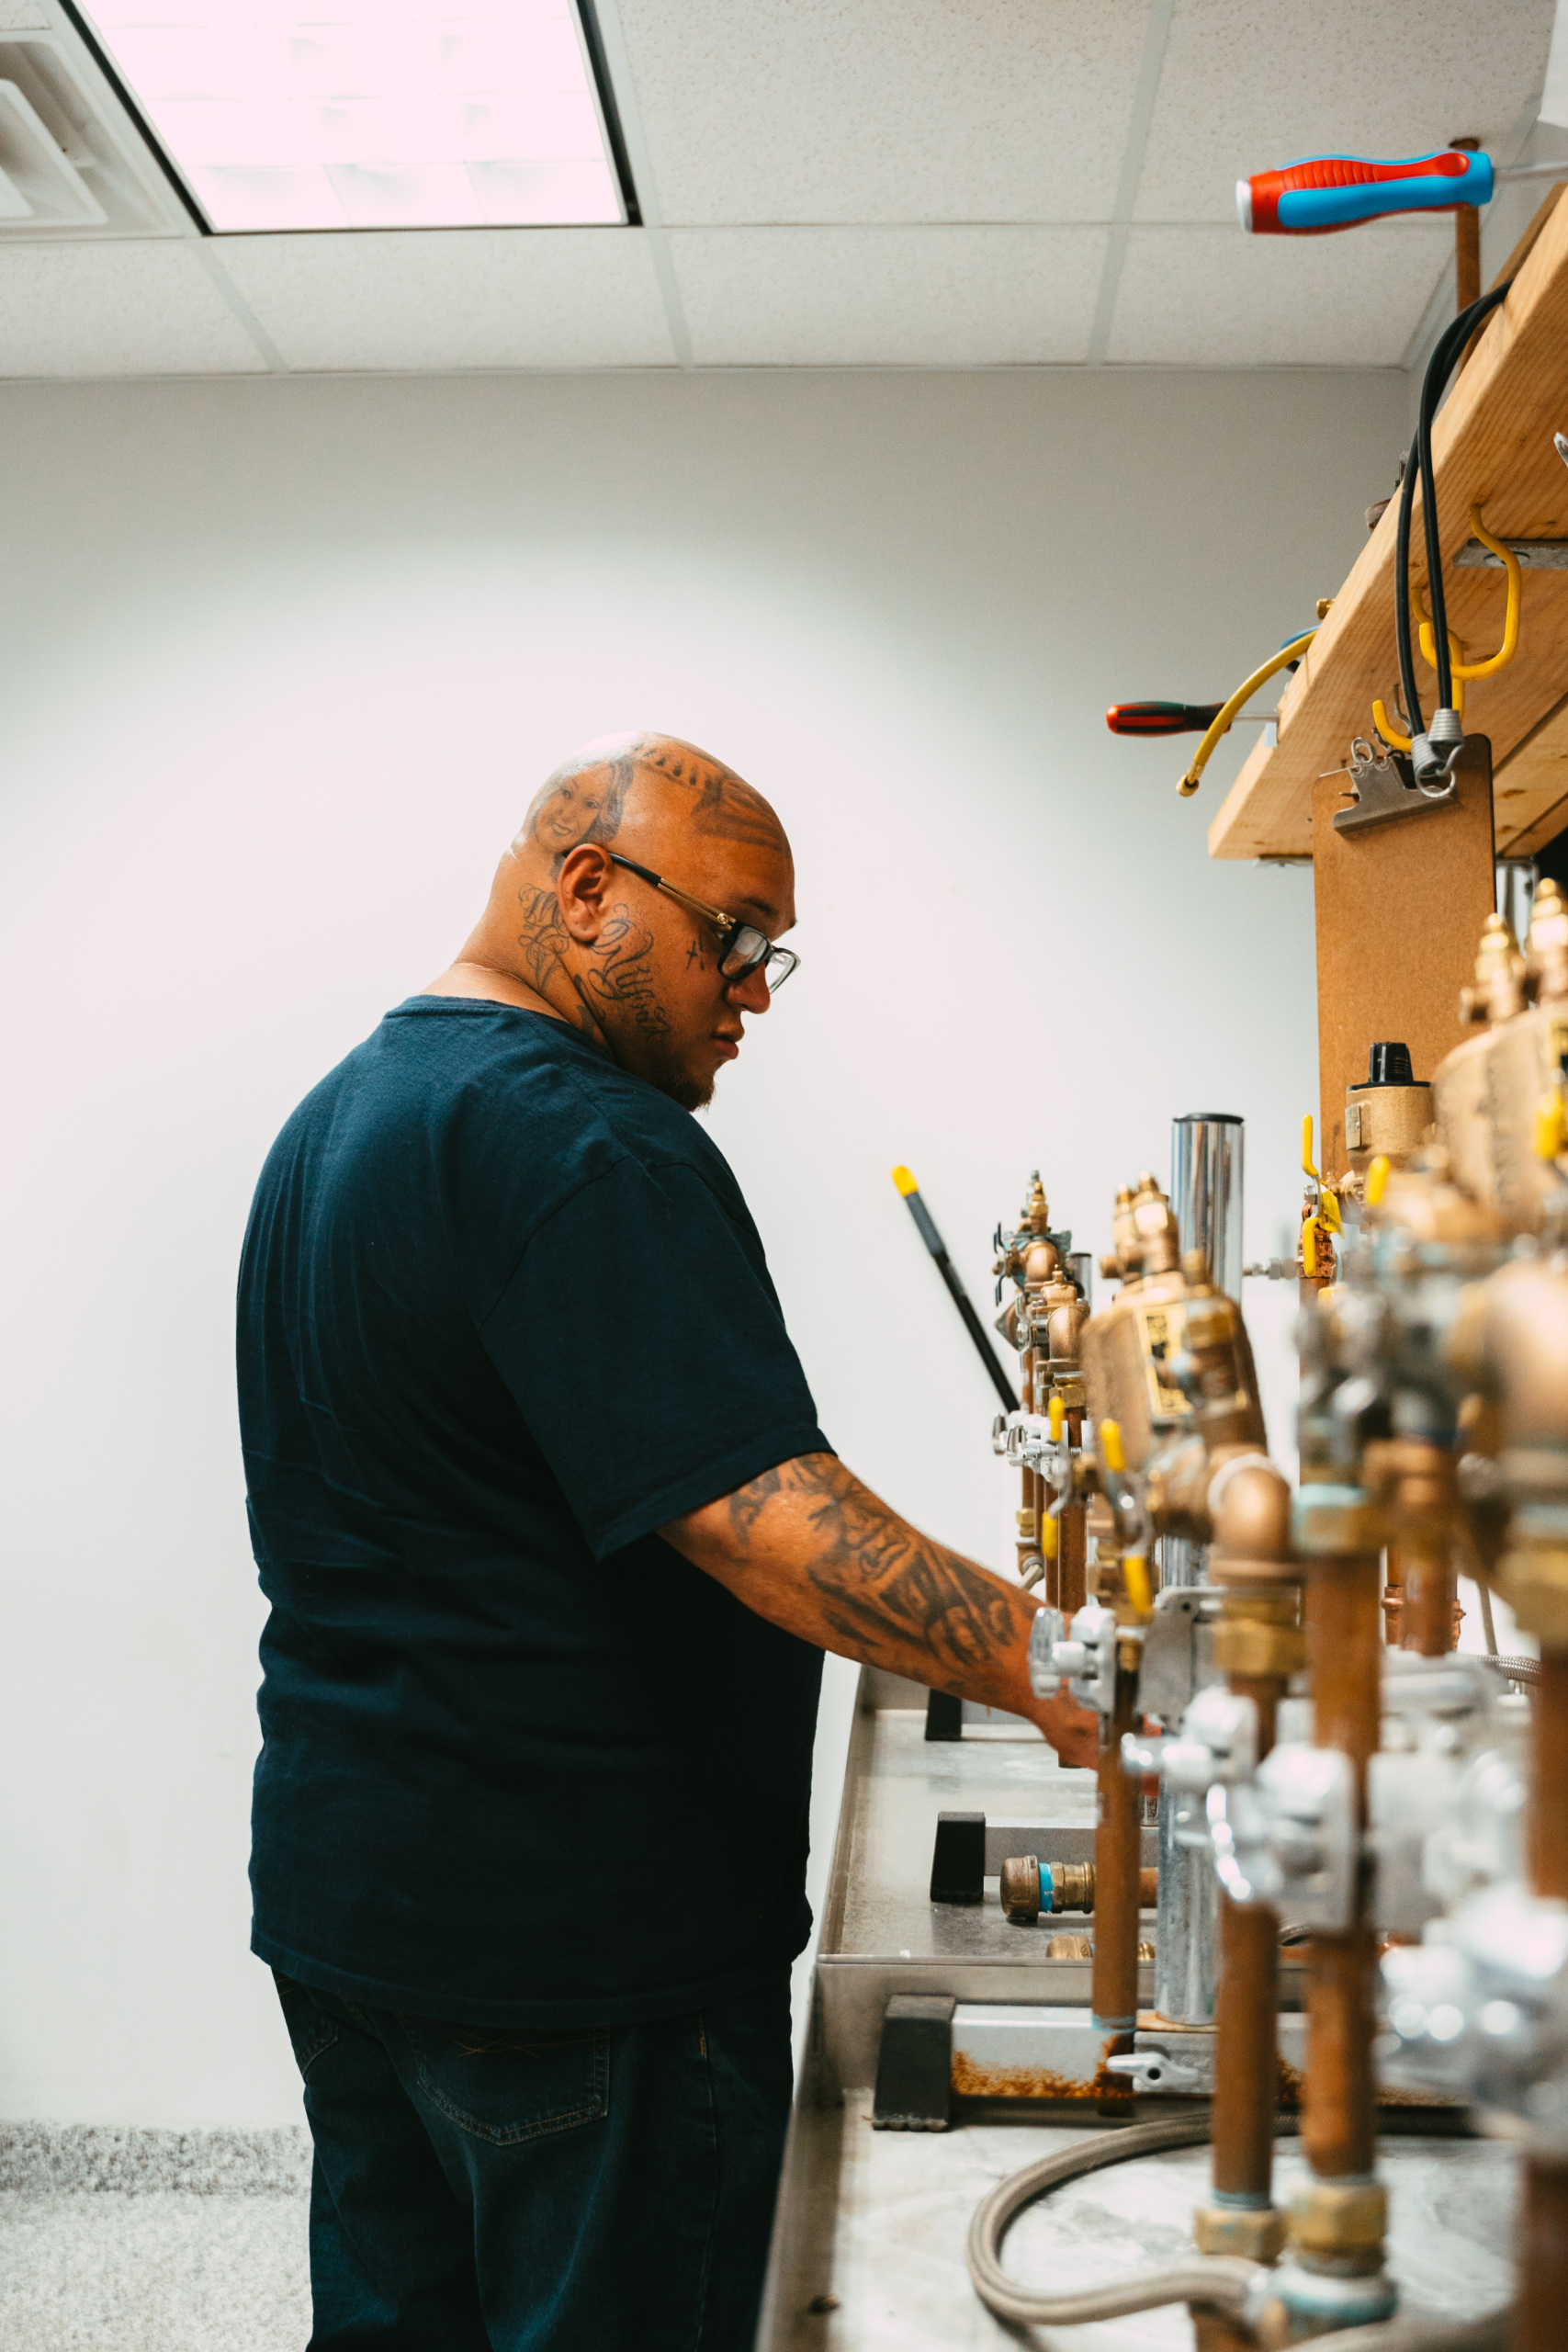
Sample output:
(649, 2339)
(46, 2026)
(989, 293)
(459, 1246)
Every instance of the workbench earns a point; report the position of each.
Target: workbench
(868, 2249)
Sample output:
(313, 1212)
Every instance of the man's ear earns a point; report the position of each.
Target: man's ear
(583, 886)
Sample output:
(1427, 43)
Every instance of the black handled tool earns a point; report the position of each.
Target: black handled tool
(926, 1227)
(1161, 718)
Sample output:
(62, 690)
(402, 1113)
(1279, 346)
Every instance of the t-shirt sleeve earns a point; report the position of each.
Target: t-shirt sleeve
(645, 1348)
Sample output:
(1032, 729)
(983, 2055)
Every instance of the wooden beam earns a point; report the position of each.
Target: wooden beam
(1492, 445)
(1399, 907)
(1532, 788)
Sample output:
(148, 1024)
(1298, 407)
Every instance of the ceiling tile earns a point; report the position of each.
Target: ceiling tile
(121, 309)
(452, 298)
(807, 110)
(1213, 298)
(922, 297)
(1244, 89)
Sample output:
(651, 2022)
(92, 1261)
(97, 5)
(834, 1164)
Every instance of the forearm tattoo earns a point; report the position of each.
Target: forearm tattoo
(885, 1588)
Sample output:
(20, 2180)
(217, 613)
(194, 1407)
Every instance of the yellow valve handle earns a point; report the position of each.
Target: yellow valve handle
(1227, 710)
(1377, 1177)
(1329, 1214)
(1135, 1575)
(1056, 1412)
(1309, 1246)
(1551, 1126)
(1307, 1168)
(1111, 1446)
(1050, 1536)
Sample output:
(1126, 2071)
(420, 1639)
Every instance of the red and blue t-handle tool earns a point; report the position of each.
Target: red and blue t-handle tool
(1320, 193)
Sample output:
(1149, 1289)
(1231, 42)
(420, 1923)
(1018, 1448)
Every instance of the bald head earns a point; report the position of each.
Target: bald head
(643, 793)
(570, 927)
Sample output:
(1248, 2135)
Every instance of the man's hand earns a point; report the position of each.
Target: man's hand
(810, 1548)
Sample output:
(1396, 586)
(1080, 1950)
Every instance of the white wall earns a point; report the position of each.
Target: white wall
(285, 662)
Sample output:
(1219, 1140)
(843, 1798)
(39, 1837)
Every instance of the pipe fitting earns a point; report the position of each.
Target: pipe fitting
(1333, 1520)
(1306, 2303)
(1532, 1576)
(1246, 1647)
(1333, 2217)
(1249, 1501)
(1255, 2232)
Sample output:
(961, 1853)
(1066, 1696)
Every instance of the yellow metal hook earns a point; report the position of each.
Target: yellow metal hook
(1510, 645)
(1461, 668)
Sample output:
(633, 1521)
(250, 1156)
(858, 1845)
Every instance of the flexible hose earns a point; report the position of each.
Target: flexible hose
(1517, 1669)
(1211, 2280)
(1201, 2279)
(1227, 710)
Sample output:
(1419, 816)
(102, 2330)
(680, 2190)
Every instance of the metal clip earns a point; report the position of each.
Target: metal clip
(1384, 788)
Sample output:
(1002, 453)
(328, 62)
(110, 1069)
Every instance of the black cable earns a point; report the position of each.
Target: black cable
(925, 1225)
(1439, 367)
(1402, 598)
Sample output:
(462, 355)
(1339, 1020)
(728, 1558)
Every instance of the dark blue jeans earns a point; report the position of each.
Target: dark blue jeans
(527, 2189)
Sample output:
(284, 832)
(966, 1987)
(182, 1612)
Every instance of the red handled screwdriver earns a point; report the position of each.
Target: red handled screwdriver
(1320, 193)
(1161, 718)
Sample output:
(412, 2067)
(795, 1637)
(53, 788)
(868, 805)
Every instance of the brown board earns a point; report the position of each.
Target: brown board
(1400, 909)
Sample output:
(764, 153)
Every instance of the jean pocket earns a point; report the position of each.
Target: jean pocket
(511, 2083)
(311, 2031)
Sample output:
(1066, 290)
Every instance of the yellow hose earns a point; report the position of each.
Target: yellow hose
(1227, 711)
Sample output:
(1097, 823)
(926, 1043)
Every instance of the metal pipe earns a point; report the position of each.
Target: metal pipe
(1186, 1925)
(1206, 1152)
(1118, 1839)
(1339, 2107)
(1247, 2049)
(1259, 1644)
(1072, 1539)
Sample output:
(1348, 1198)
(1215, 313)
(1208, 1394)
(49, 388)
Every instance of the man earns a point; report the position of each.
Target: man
(553, 1545)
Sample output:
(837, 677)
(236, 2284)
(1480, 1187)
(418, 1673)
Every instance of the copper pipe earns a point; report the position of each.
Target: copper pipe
(1467, 255)
(1029, 1516)
(1118, 1841)
(1247, 2047)
(1542, 2227)
(1072, 1544)
(1392, 1597)
(1339, 2105)
(1342, 1654)
(1549, 1810)
(1071, 1562)
(1431, 1596)
(1415, 1482)
(1543, 2249)
(1247, 2039)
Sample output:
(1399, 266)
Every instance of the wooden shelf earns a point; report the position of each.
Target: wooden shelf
(1492, 445)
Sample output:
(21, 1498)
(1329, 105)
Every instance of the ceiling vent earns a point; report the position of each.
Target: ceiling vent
(71, 161)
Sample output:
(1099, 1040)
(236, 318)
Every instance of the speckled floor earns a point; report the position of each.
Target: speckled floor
(164, 2271)
(122, 2241)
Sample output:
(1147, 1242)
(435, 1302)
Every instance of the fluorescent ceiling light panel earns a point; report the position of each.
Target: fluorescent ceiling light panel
(370, 114)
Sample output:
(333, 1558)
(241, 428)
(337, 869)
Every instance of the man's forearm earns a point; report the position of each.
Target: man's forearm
(810, 1548)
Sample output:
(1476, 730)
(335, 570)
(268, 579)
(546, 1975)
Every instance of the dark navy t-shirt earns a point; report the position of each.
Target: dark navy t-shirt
(503, 1313)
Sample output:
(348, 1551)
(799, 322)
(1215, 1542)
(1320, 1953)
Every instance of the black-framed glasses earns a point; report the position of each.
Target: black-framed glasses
(742, 948)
